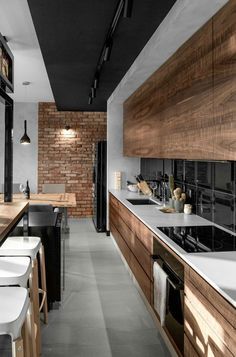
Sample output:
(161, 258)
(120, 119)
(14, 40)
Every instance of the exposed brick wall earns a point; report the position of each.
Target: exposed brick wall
(66, 157)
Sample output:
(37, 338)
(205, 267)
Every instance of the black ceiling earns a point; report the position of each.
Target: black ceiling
(71, 35)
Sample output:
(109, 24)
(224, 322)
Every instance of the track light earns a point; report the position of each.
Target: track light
(96, 81)
(123, 9)
(107, 50)
(127, 11)
(93, 92)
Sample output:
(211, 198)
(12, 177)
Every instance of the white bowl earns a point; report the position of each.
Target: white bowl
(132, 188)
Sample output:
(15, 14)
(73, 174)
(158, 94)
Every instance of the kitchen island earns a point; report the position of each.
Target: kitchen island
(209, 284)
(10, 214)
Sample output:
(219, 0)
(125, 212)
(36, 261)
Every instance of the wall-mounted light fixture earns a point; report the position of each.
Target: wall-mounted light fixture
(67, 127)
(25, 139)
(124, 9)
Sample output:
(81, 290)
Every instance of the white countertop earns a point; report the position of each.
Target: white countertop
(217, 268)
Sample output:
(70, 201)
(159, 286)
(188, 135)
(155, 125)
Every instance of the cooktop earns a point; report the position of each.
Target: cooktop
(199, 239)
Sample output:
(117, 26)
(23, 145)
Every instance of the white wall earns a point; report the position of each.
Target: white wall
(25, 157)
(116, 161)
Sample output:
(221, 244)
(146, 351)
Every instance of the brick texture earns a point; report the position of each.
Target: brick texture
(66, 157)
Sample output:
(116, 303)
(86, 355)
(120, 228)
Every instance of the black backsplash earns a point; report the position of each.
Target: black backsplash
(210, 186)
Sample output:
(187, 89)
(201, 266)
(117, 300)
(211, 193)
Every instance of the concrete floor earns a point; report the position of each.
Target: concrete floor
(102, 313)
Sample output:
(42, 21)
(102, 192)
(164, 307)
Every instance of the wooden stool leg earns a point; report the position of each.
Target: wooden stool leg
(43, 282)
(17, 348)
(26, 338)
(35, 301)
(31, 330)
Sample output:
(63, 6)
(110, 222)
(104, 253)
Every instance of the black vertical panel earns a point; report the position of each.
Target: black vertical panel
(100, 179)
(8, 154)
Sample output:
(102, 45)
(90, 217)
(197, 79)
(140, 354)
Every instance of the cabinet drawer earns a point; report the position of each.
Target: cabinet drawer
(114, 202)
(207, 315)
(202, 336)
(137, 248)
(139, 228)
(189, 350)
(141, 277)
(113, 216)
(121, 243)
(220, 304)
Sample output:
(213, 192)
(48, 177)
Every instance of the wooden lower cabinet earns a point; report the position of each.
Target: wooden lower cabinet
(206, 327)
(134, 251)
(189, 350)
(209, 320)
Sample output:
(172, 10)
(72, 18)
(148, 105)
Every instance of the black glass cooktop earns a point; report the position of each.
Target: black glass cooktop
(199, 239)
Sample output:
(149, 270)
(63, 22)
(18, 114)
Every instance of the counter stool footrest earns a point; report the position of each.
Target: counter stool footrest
(18, 348)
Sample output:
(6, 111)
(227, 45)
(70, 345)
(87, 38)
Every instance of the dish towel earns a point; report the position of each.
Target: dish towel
(160, 286)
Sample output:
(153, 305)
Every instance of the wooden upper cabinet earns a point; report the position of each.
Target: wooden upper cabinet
(186, 108)
(224, 65)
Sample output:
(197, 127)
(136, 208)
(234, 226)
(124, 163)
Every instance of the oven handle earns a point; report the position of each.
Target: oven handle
(180, 285)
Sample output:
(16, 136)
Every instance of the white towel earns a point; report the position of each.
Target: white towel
(160, 286)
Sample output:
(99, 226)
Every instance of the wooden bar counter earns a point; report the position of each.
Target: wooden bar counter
(10, 214)
(54, 199)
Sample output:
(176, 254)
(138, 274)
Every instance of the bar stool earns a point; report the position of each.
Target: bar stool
(17, 271)
(14, 305)
(30, 246)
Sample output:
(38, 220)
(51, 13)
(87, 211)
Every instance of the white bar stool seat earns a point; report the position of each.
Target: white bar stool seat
(15, 270)
(21, 246)
(14, 304)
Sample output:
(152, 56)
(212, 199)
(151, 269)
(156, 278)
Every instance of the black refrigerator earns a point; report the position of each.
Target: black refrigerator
(99, 190)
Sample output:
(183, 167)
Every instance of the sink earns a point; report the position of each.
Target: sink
(142, 201)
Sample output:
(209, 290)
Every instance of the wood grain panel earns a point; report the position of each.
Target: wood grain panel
(173, 109)
(225, 332)
(204, 339)
(142, 232)
(187, 108)
(142, 278)
(189, 351)
(54, 199)
(224, 64)
(220, 304)
(10, 214)
(121, 244)
(137, 248)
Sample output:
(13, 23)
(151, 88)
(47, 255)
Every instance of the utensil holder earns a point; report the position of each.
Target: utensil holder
(179, 206)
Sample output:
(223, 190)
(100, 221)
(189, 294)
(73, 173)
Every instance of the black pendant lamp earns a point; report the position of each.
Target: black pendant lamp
(25, 139)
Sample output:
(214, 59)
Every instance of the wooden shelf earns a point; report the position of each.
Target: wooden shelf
(6, 80)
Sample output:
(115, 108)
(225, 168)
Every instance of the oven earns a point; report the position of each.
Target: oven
(174, 319)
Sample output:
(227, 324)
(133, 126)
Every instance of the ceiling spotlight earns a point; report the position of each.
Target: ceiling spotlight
(107, 50)
(127, 11)
(90, 100)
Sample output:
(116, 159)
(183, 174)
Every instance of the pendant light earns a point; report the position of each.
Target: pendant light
(25, 140)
